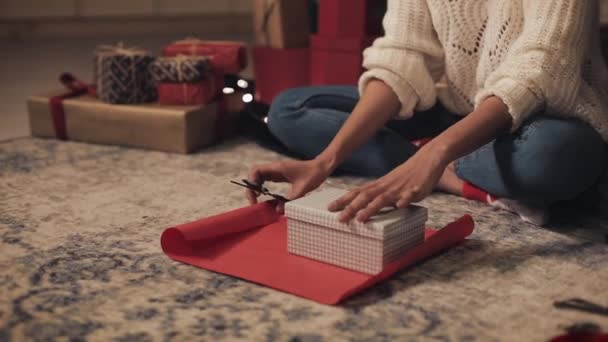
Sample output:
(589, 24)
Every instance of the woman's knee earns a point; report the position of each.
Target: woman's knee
(309, 107)
(560, 159)
(285, 103)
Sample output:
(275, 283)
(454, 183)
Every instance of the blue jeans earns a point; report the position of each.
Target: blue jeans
(545, 161)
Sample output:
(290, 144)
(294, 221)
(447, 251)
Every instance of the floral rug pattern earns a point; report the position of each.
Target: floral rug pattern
(80, 259)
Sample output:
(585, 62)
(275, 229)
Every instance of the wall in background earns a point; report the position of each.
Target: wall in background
(28, 9)
(60, 18)
(53, 18)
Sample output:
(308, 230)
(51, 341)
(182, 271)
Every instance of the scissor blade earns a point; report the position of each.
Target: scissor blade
(240, 184)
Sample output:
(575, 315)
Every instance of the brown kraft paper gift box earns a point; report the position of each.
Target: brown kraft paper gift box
(181, 129)
(281, 24)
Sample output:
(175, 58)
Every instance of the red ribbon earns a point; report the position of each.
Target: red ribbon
(76, 88)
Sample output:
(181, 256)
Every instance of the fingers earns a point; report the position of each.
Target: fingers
(251, 196)
(406, 199)
(298, 189)
(254, 176)
(368, 202)
(267, 172)
(343, 201)
(385, 199)
(361, 201)
(261, 173)
(374, 207)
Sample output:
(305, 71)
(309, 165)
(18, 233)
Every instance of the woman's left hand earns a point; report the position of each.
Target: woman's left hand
(411, 182)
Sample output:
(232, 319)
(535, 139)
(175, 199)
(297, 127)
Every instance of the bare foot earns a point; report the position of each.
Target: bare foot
(450, 182)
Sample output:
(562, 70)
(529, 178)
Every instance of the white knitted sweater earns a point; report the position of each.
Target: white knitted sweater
(535, 55)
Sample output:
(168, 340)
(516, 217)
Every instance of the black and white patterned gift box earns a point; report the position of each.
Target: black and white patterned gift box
(316, 233)
(121, 75)
(180, 69)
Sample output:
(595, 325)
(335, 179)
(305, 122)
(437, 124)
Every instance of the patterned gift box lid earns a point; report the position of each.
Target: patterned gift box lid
(313, 209)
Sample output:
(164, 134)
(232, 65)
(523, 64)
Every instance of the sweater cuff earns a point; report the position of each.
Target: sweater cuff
(406, 94)
(519, 99)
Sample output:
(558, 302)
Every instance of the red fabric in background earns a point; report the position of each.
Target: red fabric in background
(337, 60)
(226, 57)
(251, 243)
(187, 94)
(337, 68)
(351, 18)
(340, 44)
(279, 69)
(343, 18)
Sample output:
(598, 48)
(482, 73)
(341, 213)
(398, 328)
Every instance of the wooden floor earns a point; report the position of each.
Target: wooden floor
(33, 66)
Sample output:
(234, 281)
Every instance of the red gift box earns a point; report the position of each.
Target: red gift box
(337, 60)
(226, 57)
(279, 69)
(351, 18)
(187, 94)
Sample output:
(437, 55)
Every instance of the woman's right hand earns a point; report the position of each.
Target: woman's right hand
(303, 175)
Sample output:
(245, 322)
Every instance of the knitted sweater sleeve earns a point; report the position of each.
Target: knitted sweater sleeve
(401, 57)
(543, 66)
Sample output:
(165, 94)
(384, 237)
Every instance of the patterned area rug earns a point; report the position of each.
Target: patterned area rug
(80, 260)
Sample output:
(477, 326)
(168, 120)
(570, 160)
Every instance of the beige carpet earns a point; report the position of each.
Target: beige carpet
(80, 260)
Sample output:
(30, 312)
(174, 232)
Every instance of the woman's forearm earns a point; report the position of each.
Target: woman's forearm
(477, 129)
(377, 105)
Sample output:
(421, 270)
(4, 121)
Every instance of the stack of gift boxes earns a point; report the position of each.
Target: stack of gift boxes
(176, 102)
(171, 103)
(288, 56)
(346, 28)
(281, 55)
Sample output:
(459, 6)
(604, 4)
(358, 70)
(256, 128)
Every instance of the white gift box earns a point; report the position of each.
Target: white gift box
(316, 233)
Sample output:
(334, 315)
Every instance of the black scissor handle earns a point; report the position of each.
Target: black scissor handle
(581, 305)
(259, 188)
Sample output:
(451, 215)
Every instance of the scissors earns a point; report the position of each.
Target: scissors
(259, 188)
(581, 305)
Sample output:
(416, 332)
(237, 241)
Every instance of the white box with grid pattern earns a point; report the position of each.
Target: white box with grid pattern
(316, 233)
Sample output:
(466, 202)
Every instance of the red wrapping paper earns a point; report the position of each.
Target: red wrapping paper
(337, 60)
(251, 243)
(225, 56)
(582, 337)
(279, 69)
(188, 94)
(350, 18)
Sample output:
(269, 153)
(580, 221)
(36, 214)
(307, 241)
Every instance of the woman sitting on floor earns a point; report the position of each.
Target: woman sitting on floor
(513, 92)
